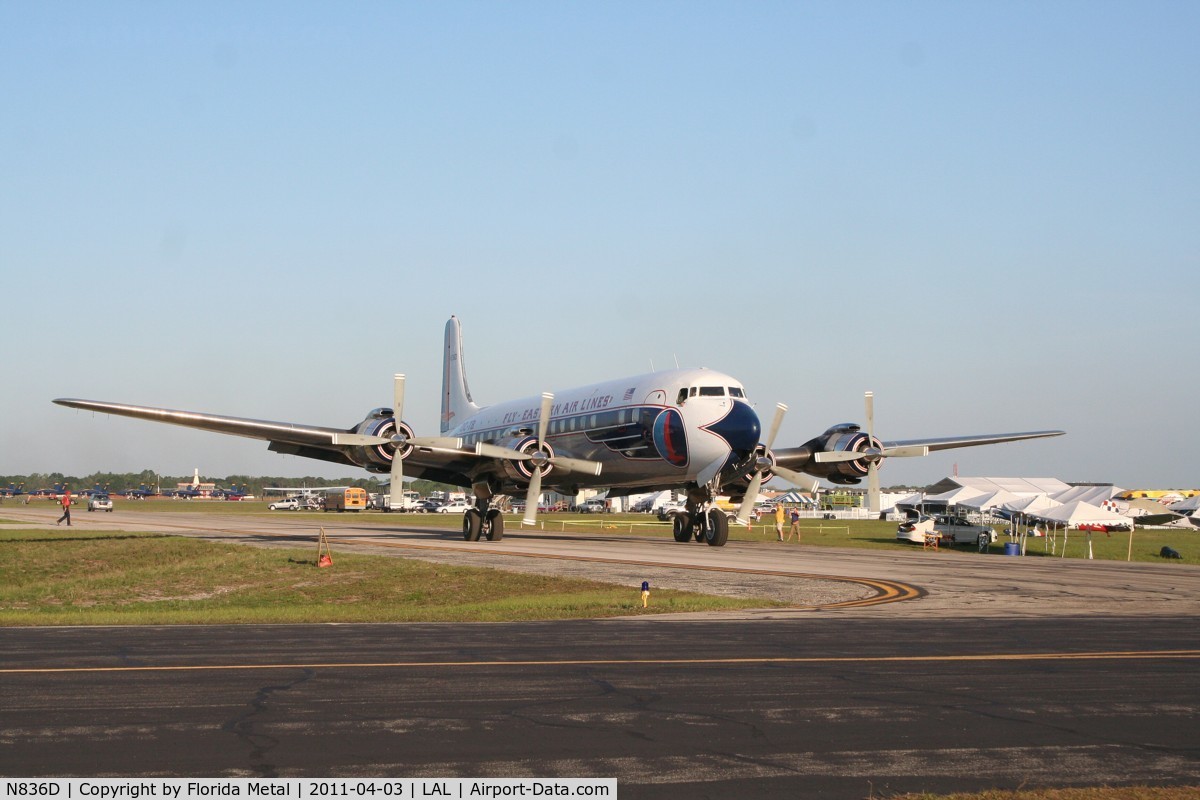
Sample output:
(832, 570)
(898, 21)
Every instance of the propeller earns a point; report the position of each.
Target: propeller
(399, 440)
(872, 455)
(538, 458)
(764, 463)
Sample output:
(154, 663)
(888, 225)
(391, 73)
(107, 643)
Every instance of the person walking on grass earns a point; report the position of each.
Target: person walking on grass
(66, 507)
(779, 521)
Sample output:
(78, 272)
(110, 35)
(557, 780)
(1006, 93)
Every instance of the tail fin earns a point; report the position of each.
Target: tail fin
(456, 397)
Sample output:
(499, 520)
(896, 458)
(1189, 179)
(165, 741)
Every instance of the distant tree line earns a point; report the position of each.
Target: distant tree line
(119, 482)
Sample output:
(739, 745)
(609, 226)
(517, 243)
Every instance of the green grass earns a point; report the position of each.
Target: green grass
(106, 578)
(868, 534)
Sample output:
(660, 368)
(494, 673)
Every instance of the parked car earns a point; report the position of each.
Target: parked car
(100, 503)
(949, 529)
(956, 530)
(668, 510)
(457, 507)
(593, 506)
(914, 529)
(289, 504)
(426, 506)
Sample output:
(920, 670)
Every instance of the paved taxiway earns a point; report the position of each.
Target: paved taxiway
(1005, 671)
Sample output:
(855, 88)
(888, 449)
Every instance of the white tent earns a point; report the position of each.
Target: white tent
(1076, 513)
(793, 497)
(1095, 495)
(954, 497)
(986, 502)
(1031, 505)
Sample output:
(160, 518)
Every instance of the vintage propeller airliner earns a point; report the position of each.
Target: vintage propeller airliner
(689, 429)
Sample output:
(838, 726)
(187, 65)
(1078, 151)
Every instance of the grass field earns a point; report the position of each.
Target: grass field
(872, 534)
(1094, 793)
(106, 578)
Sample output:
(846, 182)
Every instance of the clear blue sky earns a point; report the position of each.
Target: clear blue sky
(987, 213)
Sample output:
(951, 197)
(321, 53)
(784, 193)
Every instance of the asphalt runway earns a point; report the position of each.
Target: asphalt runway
(1066, 674)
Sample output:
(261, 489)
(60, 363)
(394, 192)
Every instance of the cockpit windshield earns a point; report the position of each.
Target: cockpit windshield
(709, 391)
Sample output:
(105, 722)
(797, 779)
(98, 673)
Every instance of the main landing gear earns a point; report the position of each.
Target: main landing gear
(711, 526)
(483, 520)
(701, 519)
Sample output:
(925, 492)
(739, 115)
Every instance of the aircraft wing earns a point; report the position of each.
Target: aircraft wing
(309, 441)
(832, 453)
(237, 426)
(950, 442)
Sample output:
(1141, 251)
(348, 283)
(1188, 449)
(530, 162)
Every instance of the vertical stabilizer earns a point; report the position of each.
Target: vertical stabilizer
(456, 397)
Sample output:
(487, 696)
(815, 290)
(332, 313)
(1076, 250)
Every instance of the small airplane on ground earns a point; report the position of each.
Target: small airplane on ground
(232, 493)
(141, 493)
(53, 491)
(688, 429)
(96, 491)
(12, 490)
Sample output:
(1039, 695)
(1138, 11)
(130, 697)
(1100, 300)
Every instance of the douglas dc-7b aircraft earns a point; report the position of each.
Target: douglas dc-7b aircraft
(686, 428)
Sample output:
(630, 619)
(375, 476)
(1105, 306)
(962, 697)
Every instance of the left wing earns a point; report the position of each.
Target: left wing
(364, 445)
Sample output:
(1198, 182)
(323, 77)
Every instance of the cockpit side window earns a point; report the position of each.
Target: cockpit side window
(682, 396)
(692, 392)
(735, 391)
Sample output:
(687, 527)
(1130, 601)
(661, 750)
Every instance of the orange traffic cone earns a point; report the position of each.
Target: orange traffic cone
(324, 551)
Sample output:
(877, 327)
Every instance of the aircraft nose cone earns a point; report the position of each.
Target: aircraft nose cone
(740, 428)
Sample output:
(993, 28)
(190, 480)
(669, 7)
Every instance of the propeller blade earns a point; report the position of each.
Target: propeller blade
(743, 514)
(396, 487)
(535, 481)
(445, 443)
(780, 410)
(793, 477)
(869, 402)
(873, 488)
(358, 440)
(836, 456)
(577, 465)
(496, 451)
(544, 418)
(532, 497)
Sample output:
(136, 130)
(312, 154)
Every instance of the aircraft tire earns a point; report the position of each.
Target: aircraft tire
(495, 525)
(716, 533)
(472, 524)
(681, 526)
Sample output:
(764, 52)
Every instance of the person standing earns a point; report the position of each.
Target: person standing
(66, 507)
(779, 521)
(795, 526)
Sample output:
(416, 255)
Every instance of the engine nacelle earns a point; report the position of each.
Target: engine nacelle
(845, 438)
(378, 458)
(522, 471)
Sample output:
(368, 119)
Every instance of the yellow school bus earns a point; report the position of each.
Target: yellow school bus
(351, 499)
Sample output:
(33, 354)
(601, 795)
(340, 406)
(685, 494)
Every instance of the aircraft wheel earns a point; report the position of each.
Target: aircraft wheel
(681, 526)
(472, 525)
(495, 525)
(716, 533)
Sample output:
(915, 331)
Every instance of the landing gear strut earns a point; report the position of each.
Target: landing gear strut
(483, 520)
(701, 520)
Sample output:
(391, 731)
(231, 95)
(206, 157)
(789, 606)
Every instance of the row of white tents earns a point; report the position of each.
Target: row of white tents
(1053, 503)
